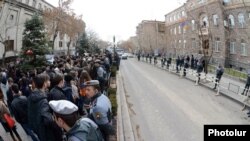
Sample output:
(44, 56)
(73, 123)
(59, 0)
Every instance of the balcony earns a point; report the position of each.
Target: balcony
(203, 31)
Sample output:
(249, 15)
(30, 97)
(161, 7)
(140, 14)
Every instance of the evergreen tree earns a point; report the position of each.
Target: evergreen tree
(83, 45)
(35, 44)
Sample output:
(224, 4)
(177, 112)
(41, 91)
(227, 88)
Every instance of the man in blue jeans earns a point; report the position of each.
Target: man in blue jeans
(19, 108)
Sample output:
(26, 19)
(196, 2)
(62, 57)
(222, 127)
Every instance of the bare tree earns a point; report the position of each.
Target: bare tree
(54, 19)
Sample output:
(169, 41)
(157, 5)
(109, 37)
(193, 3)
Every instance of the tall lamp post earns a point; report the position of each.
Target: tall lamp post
(114, 43)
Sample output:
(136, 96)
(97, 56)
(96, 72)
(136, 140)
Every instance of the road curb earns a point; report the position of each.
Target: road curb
(124, 127)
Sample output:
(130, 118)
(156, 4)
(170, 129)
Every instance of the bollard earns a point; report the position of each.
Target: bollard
(205, 79)
(197, 79)
(218, 86)
(181, 73)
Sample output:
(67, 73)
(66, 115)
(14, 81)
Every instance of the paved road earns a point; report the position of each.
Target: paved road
(164, 107)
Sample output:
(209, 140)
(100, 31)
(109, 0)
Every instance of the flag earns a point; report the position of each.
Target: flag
(183, 23)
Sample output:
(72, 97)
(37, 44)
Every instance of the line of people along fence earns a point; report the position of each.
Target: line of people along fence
(195, 72)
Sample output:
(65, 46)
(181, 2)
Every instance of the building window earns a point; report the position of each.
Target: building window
(179, 29)
(11, 17)
(201, 1)
(179, 43)
(40, 6)
(193, 25)
(243, 49)
(170, 19)
(10, 45)
(241, 20)
(60, 44)
(226, 1)
(34, 3)
(27, 2)
(183, 13)
(175, 45)
(215, 19)
(193, 43)
(217, 45)
(204, 22)
(175, 30)
(231, 21)
(232, 47)
(184, 43)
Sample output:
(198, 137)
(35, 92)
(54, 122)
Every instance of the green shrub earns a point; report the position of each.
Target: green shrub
(113, 71)
(112, 98)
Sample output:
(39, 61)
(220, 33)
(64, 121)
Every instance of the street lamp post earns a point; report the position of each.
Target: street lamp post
(114, 43)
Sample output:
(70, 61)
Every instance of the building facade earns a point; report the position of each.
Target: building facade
(216, 28)
(13, 14)
(151, 36)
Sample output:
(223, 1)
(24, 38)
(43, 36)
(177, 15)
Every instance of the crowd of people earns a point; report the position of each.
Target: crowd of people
(65, 100)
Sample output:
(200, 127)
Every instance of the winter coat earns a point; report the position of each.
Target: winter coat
(39, 116)
(19, 107)
(219, 72)
(85, 130)
(56, 93)
(248, 80)
(68, 92)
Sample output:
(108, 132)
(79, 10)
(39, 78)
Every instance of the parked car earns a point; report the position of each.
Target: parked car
(124, 56)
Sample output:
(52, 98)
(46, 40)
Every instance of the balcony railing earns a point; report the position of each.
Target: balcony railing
(203, 31)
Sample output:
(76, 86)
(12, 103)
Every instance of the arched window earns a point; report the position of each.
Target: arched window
(204, 22)
(193, 25)
(241, 19)
(231, 21)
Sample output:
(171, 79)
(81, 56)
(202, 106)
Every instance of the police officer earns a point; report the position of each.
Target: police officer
(77, 128)
(100, 108)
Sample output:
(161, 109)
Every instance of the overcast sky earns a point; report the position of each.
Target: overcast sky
(120, 17)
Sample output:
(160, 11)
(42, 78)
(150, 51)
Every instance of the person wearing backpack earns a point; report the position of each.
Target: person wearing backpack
(66, 116)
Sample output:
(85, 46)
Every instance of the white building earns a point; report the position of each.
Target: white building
(13, 14)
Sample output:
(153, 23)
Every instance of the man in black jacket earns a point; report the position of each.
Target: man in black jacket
(19, 108)
(39, 115)
(57, 93)
(219, 73)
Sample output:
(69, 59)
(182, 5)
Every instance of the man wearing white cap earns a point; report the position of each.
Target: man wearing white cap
(100, 108)
(78, 129)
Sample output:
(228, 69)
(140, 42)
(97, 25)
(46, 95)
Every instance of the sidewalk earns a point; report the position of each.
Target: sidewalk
(230, 88)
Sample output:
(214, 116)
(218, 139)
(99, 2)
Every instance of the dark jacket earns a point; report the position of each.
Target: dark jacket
(219, 72)
(56, 93)
(39, 116)
(19, 107)
(68, 92)
(248, 80)
(9, 98)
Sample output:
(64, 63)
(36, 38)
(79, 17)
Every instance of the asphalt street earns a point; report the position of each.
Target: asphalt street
(164, 107)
